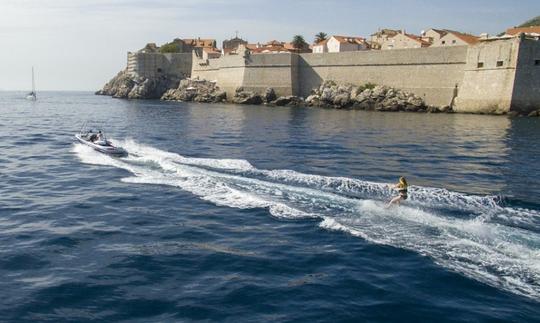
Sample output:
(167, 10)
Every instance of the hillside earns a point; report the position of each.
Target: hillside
(531, 22)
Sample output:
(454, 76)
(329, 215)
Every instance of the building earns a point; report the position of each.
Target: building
(200, 43)
(381, 36)
(433, 35)
(403, 40)
(530, 31)
(210, 53)
(455, 38)
(233, 43)
(338, 44)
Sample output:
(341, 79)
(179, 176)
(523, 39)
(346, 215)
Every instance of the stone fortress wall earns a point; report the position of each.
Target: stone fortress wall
(416, 70)
(152, 65)
(493, 76)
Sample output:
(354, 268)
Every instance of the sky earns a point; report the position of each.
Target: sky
(81, 44)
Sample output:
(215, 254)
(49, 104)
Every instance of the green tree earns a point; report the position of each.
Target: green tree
(299, 43)
(320, 37)
(169, 48)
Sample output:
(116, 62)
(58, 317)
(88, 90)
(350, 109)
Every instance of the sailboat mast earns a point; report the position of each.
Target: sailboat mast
(33, 83)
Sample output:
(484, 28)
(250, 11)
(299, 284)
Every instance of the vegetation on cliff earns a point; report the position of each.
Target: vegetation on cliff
(531, 22)
(171, 47)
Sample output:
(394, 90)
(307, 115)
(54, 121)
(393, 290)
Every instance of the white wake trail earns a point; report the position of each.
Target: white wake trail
(478, 245)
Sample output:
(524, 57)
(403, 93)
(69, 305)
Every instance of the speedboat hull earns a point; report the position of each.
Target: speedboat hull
(106, 149)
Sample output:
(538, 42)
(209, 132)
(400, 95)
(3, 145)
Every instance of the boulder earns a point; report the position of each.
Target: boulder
(342, 100)
(282, 101)
(247, 97)
(269, 95)
(534, 113)
(197, 90)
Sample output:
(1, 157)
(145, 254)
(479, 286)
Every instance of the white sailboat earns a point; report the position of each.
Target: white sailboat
(32, 95)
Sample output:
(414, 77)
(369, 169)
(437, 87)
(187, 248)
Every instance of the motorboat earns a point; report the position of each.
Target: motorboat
(99, 142)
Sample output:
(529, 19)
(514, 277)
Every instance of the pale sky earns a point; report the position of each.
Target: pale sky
(81, 44)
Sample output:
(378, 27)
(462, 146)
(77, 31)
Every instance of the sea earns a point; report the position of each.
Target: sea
(265, 214)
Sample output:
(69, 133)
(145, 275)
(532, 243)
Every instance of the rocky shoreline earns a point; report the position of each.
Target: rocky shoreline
(126, 86)
(327, 95)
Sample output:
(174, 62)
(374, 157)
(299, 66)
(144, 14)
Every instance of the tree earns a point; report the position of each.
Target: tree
(320, 37)
(298, 42)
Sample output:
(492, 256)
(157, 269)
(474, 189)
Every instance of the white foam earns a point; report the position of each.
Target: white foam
(484, 246)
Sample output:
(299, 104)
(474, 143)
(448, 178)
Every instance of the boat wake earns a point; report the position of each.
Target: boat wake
(472, 235)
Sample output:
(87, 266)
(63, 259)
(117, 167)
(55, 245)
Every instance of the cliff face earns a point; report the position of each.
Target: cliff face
(126, 86)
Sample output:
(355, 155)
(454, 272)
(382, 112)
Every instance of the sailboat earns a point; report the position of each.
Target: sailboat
(32, 95)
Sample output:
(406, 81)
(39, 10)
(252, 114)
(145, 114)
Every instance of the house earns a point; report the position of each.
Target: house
(320, 47)
(210, 53)
(403, 40)
(200, 43)
(275, 46)
(455, 38)
(433, 35)
(233, 43)
(381, 36)
(338, 44)
(532, 31)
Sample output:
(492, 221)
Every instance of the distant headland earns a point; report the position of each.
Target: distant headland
(438, 70)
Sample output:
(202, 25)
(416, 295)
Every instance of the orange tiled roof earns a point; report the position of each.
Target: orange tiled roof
(419, 39)
(468, 38)
(211, 50)
(270, 49)
(350, 39)
(322, 42)
(526, 30)
(274, 43)
(390, 32)
(441, 32)
(200, 42)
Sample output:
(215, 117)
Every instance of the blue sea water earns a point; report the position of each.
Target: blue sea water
(252, 213)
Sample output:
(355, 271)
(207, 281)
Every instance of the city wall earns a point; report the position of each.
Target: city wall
(416, 70)
(493, 76)
(252, 72)
(151, 65)
(431, 73)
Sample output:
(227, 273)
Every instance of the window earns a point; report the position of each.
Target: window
(453, 41)
(537, 62)
(443, 42)
(480, 64)
(159, 70)
(499, 63)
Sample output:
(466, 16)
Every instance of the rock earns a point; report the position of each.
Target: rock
(313, 100)
(247, 97)
(327, 95)
(445, 109)
(282, 100)
(513, 113)
(534, 114)
(379, 91)
(196, 90)
(342, 100)
(124, 85)
(269, 95)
